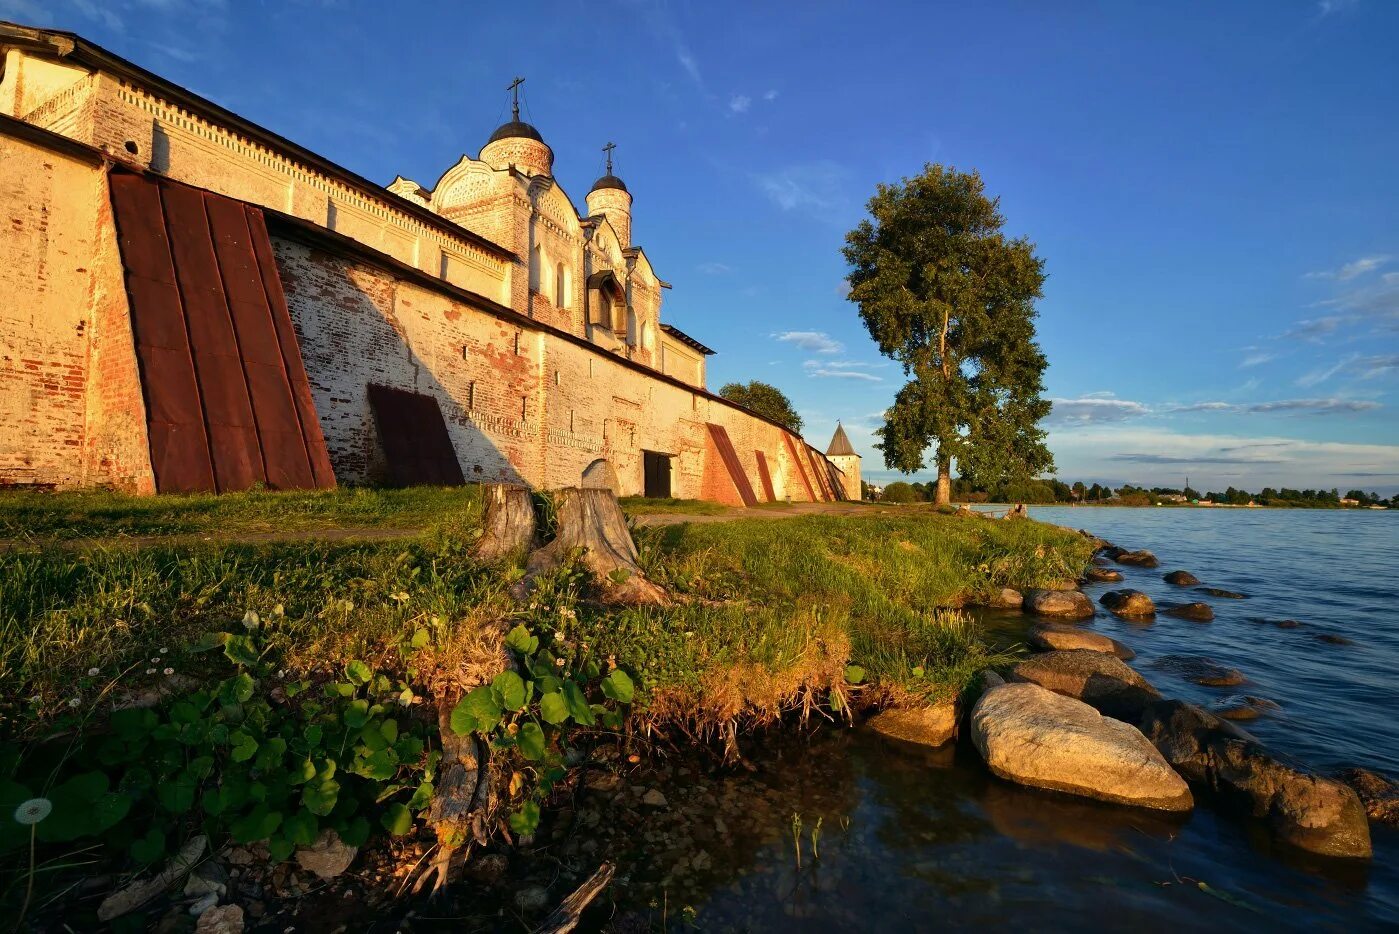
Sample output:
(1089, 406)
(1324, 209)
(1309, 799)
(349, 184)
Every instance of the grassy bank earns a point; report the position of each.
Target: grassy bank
(28, 516)
(314, 705)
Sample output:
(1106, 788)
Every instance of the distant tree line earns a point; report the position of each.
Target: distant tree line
(1051, 490)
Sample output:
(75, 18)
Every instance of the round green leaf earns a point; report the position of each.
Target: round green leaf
(854, 674)
(618, 686)
(511, 688)
(553, 709)
(397, 819)
(358, 672)
(531, 742)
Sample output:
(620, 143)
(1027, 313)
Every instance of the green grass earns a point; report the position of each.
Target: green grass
(642, 506)
(767, 615)
(31, 516)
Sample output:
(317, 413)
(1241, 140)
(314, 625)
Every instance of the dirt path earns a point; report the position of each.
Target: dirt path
(773, 512)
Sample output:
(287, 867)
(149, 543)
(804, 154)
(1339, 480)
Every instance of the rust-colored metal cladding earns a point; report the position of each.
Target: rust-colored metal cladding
(800, 467)
(414, 437)
(732, 464)
(175, 423)
(291, 354)
(765, 477)
(225, 409)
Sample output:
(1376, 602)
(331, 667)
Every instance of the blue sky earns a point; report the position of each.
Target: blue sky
(1214, 186)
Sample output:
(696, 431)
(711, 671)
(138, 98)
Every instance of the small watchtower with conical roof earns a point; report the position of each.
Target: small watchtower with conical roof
(842, 454)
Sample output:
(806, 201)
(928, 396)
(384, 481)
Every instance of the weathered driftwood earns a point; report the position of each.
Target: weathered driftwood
(143, 890)
(461, 802)
(508, 524)
(591, 520)
(565, 918)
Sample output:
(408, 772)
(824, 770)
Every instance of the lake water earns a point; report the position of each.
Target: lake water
(914, 840)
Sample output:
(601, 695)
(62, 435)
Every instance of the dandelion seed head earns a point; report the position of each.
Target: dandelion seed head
(32, 811)
(93, 672)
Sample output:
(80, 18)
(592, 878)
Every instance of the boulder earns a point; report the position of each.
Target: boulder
(1101, 575)
(328, 857)
(1201, 670)
(1195, 612)
(1006, 598)
(1099, 680)
(1332, 639)
(927, 726)
(1379, 795)
(1242, 707)
(1319, 815)
(1066, 583)
(1061, 604)
(1141, 559)
(1100, 561)
(1111, 551)
(1038, 738)
(1047, 637)
(227, 919)
(1221, 593)
(1181, 579)
(1130, 603)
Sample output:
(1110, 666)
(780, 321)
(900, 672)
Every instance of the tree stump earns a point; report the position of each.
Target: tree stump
(462, 802)
(508, 524)
(592, 520)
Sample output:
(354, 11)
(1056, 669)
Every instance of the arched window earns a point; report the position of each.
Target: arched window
(561, 286)
(534, 267)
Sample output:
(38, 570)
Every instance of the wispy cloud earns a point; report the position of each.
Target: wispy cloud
(739, 103)
(1294, 406)
(811, 341)
(713, 269)
(1256, 358)
(1360, 366)
(1094, 408)
(821, 372)
(770, 95)
(1198, 459)
(1352, 270)
(848, 364)
(816, 187)
(1325, 8)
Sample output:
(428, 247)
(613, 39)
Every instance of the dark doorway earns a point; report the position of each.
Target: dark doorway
(656, 467)
(414, 438)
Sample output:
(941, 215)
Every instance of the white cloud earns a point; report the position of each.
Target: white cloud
(1325, 8)
(1353, 269)
(770, 95)
(713, 269)
(1331, 406)
(815, 187)
(819, 372)
(1256, 358)
(813, 341)
(1094, 408)
(740, 103)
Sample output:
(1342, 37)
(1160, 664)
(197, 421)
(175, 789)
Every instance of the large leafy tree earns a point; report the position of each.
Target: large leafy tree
(948, 295)
(765, 399)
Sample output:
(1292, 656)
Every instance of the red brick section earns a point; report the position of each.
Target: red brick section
(765, 477)
(222, 400)
(732, 464)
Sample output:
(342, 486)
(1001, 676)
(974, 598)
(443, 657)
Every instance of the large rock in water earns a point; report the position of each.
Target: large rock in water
(1048, 637)
(1130, 603)
(1195, 612)
(1203, 671)
(1181, 579)
(1316, 814)
(1099, 680)
(1379, 795)
(1102, 575)
(1035, 737)
(1061, 604)
(927, 726)
(1141, 559)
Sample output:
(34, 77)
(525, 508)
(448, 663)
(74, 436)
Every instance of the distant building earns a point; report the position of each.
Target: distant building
(841, 453)
(1350, 502)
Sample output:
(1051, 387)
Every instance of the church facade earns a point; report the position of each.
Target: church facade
(189, 301)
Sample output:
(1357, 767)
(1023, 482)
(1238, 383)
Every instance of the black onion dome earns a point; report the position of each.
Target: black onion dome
(609, 181)
(515, 129)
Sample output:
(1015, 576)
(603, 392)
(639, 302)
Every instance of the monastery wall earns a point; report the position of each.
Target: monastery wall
(63, 327)
(521, 405)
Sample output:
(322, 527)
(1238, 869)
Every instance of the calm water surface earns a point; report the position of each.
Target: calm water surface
(916, 840)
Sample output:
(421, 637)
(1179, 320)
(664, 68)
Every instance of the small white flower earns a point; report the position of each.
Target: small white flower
(250, 620)
(93, 672)
(150, 671)
(155, 660)
(169, 671)
(75, 702)
(558, 662)
(32, 811)
(164, 651)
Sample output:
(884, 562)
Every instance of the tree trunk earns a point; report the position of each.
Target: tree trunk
(592, 520)
(944, 491)
(508, 524)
